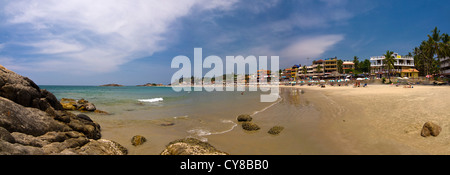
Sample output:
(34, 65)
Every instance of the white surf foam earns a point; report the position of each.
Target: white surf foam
(200, 133)
(262, 110)
(151, 100)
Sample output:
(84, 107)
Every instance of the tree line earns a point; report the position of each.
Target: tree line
(428, 55)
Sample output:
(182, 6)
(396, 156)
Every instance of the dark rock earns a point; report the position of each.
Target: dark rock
(430, 129)
(167, 124)
(249, 126)
(275, 130)
(191, 146)
(32, 121)
(85, 117)
(6, 136)
(24, 91)
(138, 140)
(51, 99)
(244, 118)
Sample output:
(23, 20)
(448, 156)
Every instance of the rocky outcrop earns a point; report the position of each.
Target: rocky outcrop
(151, 84)
(25, 92)
(191, 146)
(430, 129)
(81, 105)
(32, 121)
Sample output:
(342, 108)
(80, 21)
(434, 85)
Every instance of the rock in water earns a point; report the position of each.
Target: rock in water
(191, 146)
(244, 118)
(275, 130)
(430, 129)
(249, 126)
(138, 140)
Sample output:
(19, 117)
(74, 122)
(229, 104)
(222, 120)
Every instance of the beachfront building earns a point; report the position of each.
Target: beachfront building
(402, 63)
(318, 72)
(348, 65)
(410, 73)
(294, 72)
(330, 65)
(445, 66)
(262, 75)
(290, 74)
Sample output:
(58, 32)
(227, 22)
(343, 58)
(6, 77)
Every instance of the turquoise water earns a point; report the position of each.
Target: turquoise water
(144, 103)
(144, 111)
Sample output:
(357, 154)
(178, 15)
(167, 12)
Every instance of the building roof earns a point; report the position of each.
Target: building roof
(349, 63)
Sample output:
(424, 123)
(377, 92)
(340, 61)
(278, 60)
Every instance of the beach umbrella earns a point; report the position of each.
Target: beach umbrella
(322, 81)
(347, 79)
(360, 79)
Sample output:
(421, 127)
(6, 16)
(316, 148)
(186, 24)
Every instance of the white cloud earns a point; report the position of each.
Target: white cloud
(311, 47)
(100, 35)
(53, 46)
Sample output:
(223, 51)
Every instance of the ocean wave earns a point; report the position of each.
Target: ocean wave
(151, 100)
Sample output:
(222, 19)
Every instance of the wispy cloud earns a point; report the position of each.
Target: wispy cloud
(99, 36)
(311, 47)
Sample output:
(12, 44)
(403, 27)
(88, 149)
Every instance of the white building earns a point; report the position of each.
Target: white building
(445, 66)
(401, 63)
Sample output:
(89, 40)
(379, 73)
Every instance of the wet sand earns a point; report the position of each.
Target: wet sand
(379, 119)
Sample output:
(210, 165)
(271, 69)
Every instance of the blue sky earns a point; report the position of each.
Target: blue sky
(81, 42)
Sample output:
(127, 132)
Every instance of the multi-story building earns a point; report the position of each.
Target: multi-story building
(402, 63)
(445, 66)
(330, 65)
(348, 65)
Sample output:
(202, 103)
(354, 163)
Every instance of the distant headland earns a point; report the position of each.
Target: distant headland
(117, 85)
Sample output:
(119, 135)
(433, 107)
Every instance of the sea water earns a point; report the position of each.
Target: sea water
(140, 110)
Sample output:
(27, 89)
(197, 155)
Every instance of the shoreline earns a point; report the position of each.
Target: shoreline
(331, 120)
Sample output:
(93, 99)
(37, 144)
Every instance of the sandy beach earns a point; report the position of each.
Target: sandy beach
(378, 119)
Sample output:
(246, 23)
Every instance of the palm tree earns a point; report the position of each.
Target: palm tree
(319, 68)
(305, 71)
(389, 62)
(339, 66)
(356, 62)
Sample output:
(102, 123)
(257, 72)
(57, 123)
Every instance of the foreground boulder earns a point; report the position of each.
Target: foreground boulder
(191, 146)
(430, 129)
(25, 92)
(138, 140)
(32, 121)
